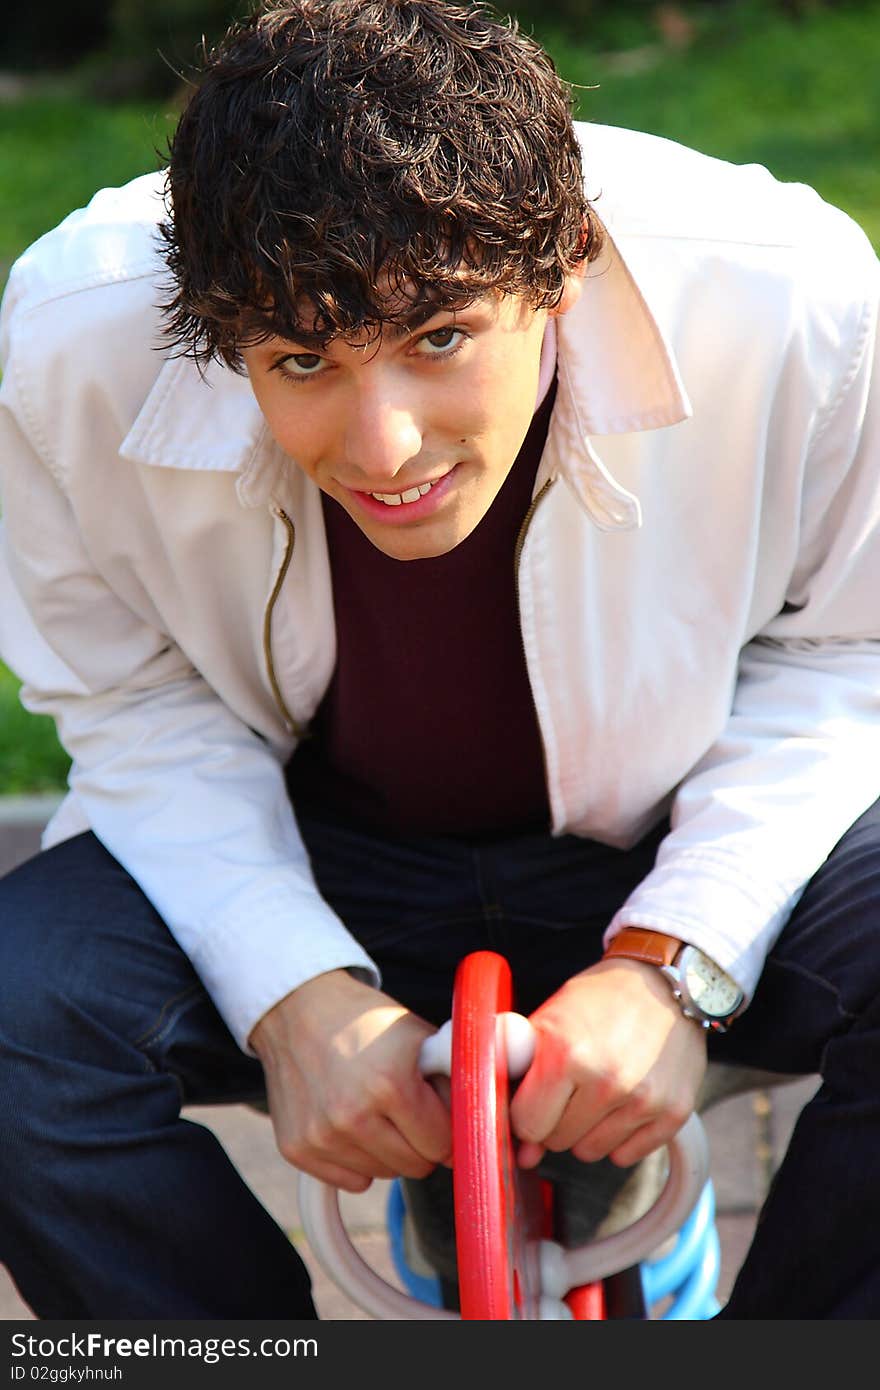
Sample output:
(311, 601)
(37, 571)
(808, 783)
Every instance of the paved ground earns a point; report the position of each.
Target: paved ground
(747, 1136)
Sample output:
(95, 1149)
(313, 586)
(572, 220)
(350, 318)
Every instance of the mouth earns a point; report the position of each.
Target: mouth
(412, 504)
(412, 494)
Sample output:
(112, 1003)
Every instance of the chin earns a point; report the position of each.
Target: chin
(402, 549)
(420, 543)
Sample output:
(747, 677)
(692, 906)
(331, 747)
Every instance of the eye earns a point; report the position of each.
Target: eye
(441, 340)
(301, 364)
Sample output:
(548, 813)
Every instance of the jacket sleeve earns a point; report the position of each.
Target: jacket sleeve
(799, 759)
(185, 796)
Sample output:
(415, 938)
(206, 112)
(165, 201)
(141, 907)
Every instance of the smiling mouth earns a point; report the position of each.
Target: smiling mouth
(415, 504)
(402, 499)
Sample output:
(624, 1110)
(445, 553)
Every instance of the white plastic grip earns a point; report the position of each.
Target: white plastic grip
(514, 1032)
(435, 1058)
(518, 1037)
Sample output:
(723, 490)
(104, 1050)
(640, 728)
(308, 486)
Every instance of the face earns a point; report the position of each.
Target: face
(415, 433)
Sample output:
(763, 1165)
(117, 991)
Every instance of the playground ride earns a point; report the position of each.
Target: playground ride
(509, 1267)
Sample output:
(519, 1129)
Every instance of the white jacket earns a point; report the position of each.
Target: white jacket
(699, 582)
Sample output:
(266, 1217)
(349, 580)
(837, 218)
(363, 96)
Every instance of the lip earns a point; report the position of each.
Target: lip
(412, 511)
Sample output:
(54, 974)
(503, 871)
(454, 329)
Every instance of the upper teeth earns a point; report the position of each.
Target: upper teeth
(412, 494)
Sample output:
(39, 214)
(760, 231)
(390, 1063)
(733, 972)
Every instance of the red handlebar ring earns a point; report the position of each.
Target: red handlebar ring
(498, 1207)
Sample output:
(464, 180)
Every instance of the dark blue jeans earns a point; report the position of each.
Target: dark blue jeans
(114, 1206)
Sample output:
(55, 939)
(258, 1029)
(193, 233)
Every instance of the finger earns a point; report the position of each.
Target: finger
(443, 1086)
(609, 1135)
(587, 1113)
(358, 1176)
(408, 1163)
(529, 1155)
(342, 1158)
(386, 1152)
(540, 1102)
(629, 1135)
(404, 1132)
(380, 1151)
(335, 1175)
(642, 1142)
(423, 1122)
(586, 1107)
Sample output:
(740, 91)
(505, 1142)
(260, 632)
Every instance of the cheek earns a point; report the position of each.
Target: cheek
(294, 430)
(498, 407)
(287, 421)
(514, 408)
(515, 382)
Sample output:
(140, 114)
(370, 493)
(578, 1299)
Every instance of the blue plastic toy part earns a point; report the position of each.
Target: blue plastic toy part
(421, 1286)
(689, 1272)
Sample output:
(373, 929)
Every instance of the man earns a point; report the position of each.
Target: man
(420, 553)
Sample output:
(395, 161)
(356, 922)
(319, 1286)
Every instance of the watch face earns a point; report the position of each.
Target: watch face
(710, 988)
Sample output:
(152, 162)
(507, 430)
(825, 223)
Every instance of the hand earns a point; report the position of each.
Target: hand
(616, 1071)
(348, 1103)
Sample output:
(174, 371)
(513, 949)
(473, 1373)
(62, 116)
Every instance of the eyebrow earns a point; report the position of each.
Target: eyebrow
(395, 328)
(417, 316)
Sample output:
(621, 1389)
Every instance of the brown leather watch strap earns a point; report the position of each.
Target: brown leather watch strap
(637, 943)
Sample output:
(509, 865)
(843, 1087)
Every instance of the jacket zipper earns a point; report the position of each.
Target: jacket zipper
(267, 624)
(521, 537)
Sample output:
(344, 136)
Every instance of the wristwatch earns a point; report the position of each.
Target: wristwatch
(704, 991)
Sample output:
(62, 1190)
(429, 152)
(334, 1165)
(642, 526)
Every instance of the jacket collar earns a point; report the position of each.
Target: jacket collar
(617, 364)
(208, 422)
(617, 374)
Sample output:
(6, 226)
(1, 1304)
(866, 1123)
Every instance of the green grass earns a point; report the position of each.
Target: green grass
(804, 99)
(57, 149)
(31, 759)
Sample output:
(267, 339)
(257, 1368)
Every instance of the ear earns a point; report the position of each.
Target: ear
(572, 290)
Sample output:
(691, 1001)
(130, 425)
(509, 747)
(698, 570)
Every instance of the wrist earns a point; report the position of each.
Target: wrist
(702, 990)
(636, 979)
(307, 1001)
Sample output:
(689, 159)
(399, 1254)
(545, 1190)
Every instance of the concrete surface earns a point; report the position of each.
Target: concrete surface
(747, 1136)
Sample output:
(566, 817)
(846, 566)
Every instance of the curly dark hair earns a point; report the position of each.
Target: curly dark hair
(344, 163)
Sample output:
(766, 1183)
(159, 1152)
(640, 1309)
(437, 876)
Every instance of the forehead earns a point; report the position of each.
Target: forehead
(308, 325)
(404, 317)
(395, 304)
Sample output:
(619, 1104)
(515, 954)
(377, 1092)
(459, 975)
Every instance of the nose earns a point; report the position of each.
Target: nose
(382, 433)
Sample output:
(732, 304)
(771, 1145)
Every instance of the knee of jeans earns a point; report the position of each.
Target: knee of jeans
(61, 1062)
(25, 992)
(28, 1072)
(41, 1015)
